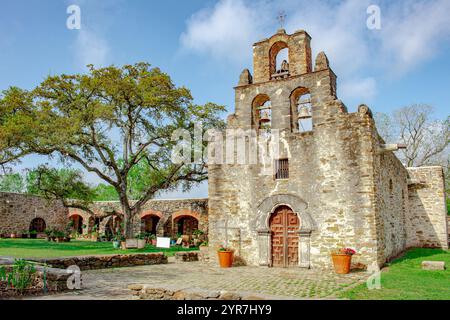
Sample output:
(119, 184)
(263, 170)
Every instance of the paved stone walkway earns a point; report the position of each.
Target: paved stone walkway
(263, 282)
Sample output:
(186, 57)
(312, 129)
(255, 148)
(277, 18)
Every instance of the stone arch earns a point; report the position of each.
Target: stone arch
(150, 221)
(80, 219)
(261, 223)
(188, 219)
(268, 206)
(38, 224)
(148, 213)
(273, 53)
(296, 105)
(260, 101)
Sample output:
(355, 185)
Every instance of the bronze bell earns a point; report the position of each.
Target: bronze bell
(264, 117)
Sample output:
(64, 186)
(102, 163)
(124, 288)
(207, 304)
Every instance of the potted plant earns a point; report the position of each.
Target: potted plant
(141, 241)
(94, 234)
(197, 234)
(117, 239)
(204, 247)
(33, 234)
(342, 260)
(67, 236)
(225, 257)
(152, 239)
(59, 236)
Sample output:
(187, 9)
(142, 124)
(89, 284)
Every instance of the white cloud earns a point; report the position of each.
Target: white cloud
(225, 31)
(358, 89)
(91, 48)
(411, 33)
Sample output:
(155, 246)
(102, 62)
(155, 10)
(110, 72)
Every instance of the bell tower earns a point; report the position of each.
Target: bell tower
(266, 51)
(291, 95)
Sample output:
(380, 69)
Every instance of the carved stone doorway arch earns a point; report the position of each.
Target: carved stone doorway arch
(262, 222)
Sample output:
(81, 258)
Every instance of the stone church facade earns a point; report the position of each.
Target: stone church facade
(334, 182)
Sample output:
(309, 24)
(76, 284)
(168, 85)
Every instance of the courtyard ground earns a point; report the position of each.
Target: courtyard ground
(402, 279)
(247, 281)
(31, 248)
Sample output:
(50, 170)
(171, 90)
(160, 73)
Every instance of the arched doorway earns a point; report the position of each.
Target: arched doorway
(149, 224)
(284, 226)
(77, 223)
(38, 225)
(186, 225)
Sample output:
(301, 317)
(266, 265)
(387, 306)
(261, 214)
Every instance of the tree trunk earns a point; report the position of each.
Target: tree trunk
(128, 222)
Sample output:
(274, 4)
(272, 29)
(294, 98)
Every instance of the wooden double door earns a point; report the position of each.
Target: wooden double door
(284, 226)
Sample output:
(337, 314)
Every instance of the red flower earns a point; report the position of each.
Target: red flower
(348, 251)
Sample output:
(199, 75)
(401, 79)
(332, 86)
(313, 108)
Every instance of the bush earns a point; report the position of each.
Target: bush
(20, 277)
(448, 206)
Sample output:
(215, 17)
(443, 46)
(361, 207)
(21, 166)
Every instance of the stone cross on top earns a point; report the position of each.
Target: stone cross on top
(281, 18)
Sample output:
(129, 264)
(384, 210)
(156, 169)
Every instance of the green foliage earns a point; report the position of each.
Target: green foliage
(448, 206)
(63, 184)
(105, 192)
(117, 123)
(12, 183)
(20, 277)
(15, 124)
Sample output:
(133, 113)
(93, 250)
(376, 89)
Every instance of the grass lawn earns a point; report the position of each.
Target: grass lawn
(31, 248)
(405, 279)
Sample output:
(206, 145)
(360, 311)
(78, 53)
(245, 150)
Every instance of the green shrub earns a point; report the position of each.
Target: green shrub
(448, 206)
(20, 277)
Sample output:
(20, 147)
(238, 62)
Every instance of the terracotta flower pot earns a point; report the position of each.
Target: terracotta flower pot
(342, 263)
(225, 259)
(141, 243)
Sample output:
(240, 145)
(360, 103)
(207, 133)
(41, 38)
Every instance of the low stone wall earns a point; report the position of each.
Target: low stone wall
(188, 256)
(55, 281)
(427, 220)
(106, 261)
(149, 293)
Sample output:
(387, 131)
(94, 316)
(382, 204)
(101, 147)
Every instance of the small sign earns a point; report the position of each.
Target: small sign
(162, 242)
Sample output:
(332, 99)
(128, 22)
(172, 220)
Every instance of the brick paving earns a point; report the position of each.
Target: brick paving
(263, 282)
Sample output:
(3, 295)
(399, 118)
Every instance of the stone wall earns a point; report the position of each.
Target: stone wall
(427, 218)
(391, 205)
(44, 280)
(18, 210)
(106, 261)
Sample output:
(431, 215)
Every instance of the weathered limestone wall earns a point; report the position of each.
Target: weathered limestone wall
(299, 54)
(427, 216)
(330, 188)
(18, 210)
(391, 192)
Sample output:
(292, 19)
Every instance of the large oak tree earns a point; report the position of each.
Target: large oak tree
(116, 123)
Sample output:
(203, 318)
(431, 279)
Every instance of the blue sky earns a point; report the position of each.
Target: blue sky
(204, 45)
